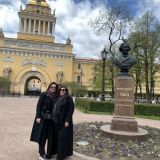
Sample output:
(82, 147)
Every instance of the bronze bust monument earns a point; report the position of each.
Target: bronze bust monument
(124, 61)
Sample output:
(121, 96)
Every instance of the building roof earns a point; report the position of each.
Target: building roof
(87, 59)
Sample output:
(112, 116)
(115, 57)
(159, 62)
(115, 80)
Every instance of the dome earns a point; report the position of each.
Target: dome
(42, 3)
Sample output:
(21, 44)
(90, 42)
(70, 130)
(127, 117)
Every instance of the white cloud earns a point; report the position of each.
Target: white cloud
(72, 21)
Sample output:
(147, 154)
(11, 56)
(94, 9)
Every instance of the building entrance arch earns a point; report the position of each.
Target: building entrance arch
(32, 86)
(32, 83)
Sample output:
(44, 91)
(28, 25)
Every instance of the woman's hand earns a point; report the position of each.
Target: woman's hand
(66, 124)
(38, 120)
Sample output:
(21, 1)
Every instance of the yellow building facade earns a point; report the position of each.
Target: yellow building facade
(33, 59)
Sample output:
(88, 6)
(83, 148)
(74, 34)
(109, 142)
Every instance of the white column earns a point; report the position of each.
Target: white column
(39, 27)
(44, 28)
(20, 24)
(48, 28)
(24, 29)
(34, 27)
(53, 28)
(29, 30)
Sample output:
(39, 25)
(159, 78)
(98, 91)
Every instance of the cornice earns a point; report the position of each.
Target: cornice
(10, 42)
(86, 60)
(46, 17)
(33, 53)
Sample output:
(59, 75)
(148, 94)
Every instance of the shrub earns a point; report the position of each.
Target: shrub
(147, 109)
(4, 83)
(95, 106)
(87, 105)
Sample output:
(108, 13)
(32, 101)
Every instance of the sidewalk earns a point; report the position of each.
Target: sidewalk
(16, 120)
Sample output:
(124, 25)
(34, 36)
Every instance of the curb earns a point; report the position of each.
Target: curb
(83, 157)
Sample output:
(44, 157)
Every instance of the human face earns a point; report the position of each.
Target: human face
(52, 88)
(62, 91)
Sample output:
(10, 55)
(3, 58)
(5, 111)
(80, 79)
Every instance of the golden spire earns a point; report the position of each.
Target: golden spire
(39, 2)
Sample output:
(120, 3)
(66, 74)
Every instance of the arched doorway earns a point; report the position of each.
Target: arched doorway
(33, 81)
(33, 86)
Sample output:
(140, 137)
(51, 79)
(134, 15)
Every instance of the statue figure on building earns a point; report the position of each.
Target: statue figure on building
(59, 76)
(21, 8)
(68, 41)
(124, 61)
(1, 33)
(54, 12)
(6, 72)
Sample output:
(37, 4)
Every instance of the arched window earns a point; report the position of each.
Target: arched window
(78, 79)
(94, 79)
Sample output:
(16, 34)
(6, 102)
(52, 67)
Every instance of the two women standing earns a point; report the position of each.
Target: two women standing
(53, 122)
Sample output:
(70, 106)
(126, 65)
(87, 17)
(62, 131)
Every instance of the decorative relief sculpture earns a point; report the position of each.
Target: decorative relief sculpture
(40, 63)
(59, 76)
(59, 64)
(7, 59)
(6, 72)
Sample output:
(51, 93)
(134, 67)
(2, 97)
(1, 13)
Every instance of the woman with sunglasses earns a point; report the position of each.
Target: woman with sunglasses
(62, 116)
(43, 127)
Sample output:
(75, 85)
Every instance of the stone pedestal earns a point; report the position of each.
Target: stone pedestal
(123, 119)
(123, 125)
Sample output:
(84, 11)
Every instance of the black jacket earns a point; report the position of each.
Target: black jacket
(44, 103)
(65, 134)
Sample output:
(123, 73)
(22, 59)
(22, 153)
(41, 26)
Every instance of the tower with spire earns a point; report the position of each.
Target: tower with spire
(36, 22)
(34, 59)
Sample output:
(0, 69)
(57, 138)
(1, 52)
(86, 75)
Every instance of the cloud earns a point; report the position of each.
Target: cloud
(72, 20)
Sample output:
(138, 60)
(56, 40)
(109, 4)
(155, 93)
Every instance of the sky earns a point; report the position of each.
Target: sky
(73, 17)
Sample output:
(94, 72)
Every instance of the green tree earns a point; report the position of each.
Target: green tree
(111, 22)
(76, 89)
(145, 35)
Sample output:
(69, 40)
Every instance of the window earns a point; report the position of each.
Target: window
(79, 66)
(78, 79)
(94, 79)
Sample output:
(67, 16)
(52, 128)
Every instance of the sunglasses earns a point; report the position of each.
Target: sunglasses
(62, 89)
(53, 87)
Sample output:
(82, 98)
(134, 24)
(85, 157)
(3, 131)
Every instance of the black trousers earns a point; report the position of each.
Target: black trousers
(48, 132)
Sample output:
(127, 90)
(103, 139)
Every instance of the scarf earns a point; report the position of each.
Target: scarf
(52, 95)
(60, 101)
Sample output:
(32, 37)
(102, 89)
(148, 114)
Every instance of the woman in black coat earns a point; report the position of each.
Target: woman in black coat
(62, 115)
(44, 127)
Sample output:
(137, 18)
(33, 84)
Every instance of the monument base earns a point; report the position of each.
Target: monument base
(122, 123)
(140, 135)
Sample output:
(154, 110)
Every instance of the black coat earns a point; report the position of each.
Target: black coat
(44, 103)
(65, 134)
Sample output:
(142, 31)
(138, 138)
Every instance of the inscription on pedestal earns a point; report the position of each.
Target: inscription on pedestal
(123, 119)
(124, 96)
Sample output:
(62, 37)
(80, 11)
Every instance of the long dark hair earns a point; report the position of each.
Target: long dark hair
(51, 85)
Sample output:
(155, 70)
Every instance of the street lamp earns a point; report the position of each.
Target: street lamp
(104, 56)
(153, 85)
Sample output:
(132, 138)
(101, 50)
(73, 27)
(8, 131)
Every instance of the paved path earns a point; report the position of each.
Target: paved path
(16, 119)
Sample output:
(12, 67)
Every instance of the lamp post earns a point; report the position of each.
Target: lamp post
(81, 74)
(153, 85)
(104, 56)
